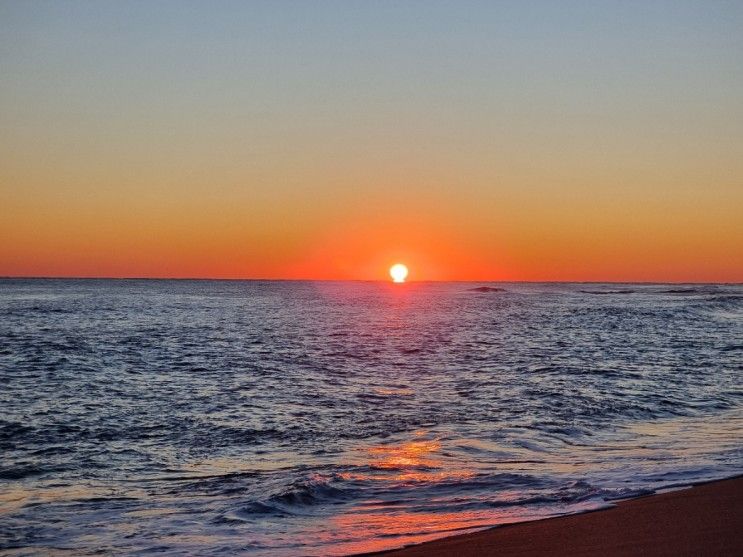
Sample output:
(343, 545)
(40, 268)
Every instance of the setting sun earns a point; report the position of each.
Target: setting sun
(398, 272)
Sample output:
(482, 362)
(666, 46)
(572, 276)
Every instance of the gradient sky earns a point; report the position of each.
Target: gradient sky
(472, 140)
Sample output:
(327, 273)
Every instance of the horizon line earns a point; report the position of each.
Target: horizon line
(248, 279)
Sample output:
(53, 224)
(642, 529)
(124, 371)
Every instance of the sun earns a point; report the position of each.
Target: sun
(398, 272)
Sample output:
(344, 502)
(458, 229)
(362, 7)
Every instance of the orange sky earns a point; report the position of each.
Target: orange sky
(484, 144)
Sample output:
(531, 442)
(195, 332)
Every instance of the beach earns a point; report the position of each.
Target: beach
(702, 520)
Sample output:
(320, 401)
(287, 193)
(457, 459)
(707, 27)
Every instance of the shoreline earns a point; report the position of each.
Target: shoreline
(704, 518)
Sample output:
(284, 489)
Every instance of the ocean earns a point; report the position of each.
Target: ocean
(283, 418)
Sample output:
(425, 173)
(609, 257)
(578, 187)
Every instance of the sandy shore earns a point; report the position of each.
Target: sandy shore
(703, 520)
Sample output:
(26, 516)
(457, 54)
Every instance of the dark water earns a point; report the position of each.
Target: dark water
(298, 418)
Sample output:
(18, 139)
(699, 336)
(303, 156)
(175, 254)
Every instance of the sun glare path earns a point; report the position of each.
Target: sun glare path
(398, 272)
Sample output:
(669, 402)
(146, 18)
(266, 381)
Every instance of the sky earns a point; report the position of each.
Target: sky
(540, 141)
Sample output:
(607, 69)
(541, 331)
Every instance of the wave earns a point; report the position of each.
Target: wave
(26, 470)
(683, 291)
(297, 499)
(601, 292)
(314, 496)
(486, 289)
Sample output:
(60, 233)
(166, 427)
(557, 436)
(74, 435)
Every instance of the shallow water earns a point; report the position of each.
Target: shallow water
(301, 418)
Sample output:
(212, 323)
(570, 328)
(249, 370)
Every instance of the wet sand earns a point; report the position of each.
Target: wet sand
(702, 520)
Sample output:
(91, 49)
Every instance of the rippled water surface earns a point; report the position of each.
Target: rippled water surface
(300, 418)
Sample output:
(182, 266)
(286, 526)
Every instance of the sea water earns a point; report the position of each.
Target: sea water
(325, 418)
